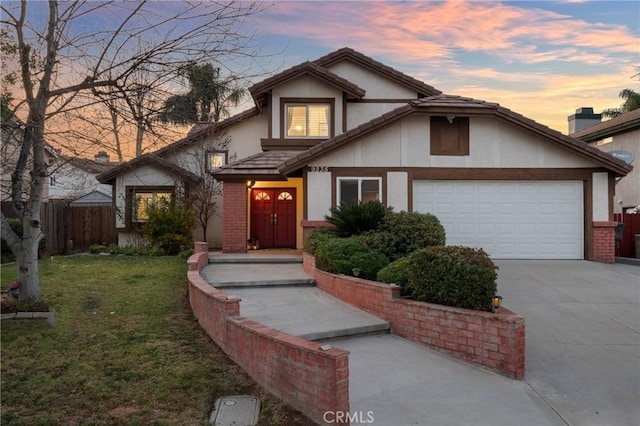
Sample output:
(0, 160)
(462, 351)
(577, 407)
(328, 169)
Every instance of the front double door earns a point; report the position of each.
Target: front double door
(273, 217)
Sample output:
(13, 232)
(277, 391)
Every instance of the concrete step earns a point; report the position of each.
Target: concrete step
(264, 283)
(257, 257)
(306, 312)
(233, 275)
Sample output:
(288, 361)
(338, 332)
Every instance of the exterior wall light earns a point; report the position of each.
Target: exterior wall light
(496, 301)
(356, 272)
(250, 183)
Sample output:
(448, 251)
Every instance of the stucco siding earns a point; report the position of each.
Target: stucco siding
(358, 113)
(600, 197)
(628, 188)
(319, 195)
(304, 87)
(493, 143)
(376, 87)
(398, 191)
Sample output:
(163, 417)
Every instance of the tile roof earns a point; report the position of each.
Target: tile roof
(347, 53)
(443, 104)
(152, 160)
(260, 89)
(620, 124)
(263, 166)
(201, 131)
(90, 166)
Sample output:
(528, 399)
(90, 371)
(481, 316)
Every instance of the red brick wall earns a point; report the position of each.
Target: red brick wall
(604, 242)
(234, 217)
(496, 341)
(292, 368)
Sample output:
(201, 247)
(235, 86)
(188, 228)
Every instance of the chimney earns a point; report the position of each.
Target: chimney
(102, 157)
(583, 118)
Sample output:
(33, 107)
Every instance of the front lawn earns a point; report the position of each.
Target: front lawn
(125, 349)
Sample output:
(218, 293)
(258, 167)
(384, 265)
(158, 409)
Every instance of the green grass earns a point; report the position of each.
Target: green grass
(125, 349)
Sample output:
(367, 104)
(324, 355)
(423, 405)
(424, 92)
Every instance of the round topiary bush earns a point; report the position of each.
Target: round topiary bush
(341, 255)
(455, 276)
(400, 234)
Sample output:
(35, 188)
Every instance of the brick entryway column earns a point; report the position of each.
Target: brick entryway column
(234, 217)
(604, 242)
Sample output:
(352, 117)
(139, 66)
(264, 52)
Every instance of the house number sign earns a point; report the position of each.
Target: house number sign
(321, 169)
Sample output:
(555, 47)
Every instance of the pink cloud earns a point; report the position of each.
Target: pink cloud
(429, 30)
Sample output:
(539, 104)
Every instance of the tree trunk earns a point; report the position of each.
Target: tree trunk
(27, 263)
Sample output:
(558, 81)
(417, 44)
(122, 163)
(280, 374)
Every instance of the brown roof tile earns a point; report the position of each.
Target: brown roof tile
(623, 123)
(263, 166)
(148, 159)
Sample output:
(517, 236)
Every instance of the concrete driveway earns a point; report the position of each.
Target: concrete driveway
(583, 343)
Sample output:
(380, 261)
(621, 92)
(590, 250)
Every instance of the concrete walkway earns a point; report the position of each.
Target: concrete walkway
(396, 382)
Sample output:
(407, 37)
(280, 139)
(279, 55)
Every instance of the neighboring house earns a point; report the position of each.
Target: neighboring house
(346, 128)
(620, 136)
(11, 139)
(72, 177)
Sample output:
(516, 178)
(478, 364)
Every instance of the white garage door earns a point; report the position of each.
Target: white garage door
(508, 219)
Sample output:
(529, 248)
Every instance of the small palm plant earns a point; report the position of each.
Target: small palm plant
(354, 219)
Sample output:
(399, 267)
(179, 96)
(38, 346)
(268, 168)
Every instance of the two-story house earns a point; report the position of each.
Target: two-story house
(346, 128)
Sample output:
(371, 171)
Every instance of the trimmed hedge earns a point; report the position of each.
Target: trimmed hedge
(397, 273)
(400, 234)
(341, 255)
(316, 237)
(454, 276)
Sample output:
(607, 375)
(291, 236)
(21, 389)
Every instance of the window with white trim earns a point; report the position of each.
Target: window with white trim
(307, 120)
(353, 190)
(216, 159)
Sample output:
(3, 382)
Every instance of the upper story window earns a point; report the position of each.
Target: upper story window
(352, 190)
(216, 159)
(449, 135)
(307, 120)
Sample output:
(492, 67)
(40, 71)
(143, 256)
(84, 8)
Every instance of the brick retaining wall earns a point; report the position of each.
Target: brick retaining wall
(292, 368)
(493, 340)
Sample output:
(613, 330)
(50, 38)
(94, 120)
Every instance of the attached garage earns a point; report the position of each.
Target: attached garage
(508, 219)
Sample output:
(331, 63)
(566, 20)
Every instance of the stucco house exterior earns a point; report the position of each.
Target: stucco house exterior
(619, 136)
(72, 177)
(347, 128)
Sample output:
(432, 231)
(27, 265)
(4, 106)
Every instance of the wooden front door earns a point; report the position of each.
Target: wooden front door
(273, 217)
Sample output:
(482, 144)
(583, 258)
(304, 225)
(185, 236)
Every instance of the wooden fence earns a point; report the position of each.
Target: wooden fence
(72, 229)
(627, 246)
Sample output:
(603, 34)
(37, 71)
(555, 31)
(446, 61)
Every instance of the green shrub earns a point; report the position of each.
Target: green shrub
(169, 225)
(354, 219)
(341, 255)
(400, 234)
(96, 248)
(317, 237)
(396, 272)
(455, 276)
(185, 254)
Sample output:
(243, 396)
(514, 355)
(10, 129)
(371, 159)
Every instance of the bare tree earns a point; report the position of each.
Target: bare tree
(65, 52)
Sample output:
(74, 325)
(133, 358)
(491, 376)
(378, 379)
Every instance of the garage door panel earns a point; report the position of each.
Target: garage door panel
(508, 219)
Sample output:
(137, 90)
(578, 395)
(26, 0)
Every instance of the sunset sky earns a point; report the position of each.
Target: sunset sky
(542, 59)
